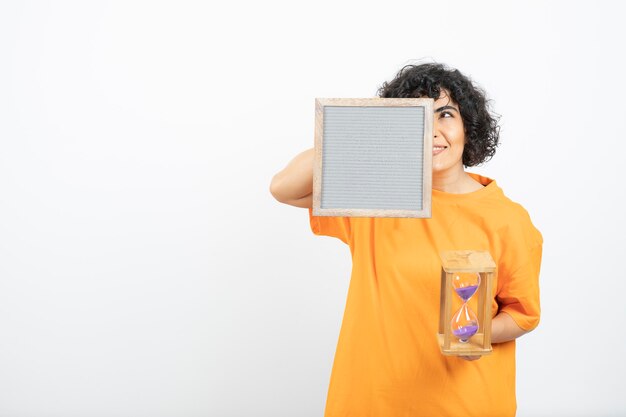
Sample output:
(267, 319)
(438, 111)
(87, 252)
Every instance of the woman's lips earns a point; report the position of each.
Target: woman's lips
(438, 149)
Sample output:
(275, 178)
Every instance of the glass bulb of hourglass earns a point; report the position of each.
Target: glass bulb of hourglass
(464, 323)
(465, 284)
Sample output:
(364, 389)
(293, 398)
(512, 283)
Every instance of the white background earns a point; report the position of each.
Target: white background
(145, 269)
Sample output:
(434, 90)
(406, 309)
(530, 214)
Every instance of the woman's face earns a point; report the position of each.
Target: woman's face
(449, 135)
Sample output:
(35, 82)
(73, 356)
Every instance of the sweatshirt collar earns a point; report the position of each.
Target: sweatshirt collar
(489, 184)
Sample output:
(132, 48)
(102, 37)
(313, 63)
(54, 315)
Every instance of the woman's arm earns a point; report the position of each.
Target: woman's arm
(294, 184)
(503, 329)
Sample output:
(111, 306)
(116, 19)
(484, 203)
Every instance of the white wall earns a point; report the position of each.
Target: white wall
(145, 269)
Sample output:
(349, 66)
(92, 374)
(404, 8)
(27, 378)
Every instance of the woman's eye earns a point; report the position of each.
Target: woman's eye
(444, 113)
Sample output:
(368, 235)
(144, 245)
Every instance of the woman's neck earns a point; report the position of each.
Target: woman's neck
(455, 182)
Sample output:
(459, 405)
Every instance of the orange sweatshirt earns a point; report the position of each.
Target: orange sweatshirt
(388, 362)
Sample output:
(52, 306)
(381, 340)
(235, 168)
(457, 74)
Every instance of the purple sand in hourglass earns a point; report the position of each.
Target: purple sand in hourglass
(465, 332)
(466, 292)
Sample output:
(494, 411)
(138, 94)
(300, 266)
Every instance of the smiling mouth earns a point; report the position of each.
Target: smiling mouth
(438, 149)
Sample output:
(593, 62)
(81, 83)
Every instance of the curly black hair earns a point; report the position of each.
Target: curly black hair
(482, 133)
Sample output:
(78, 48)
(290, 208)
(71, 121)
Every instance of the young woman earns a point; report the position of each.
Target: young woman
(388, 361)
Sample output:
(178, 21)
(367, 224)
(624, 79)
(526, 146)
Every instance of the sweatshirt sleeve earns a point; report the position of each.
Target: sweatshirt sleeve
(518, 275)
(338, 227)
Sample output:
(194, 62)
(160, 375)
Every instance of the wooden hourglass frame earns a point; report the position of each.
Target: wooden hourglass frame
(479, 262)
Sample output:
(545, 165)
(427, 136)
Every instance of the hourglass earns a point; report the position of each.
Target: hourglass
(465, 275)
